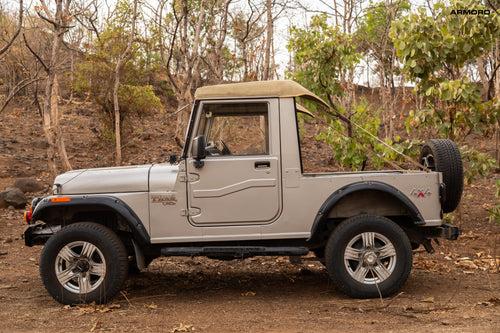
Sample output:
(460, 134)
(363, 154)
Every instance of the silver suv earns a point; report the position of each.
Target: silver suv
(239, 190)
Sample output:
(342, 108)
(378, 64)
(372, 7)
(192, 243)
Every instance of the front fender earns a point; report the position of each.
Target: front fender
(49, 207)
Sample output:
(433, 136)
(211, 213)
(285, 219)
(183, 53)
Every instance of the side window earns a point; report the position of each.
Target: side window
(237, 129)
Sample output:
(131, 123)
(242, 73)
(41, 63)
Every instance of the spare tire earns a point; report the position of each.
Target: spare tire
(442, 155)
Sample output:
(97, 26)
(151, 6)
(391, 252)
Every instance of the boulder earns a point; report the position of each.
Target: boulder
(28, 185)
(13, 196)
(3, 203)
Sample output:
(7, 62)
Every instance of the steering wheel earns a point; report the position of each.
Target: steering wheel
(225, 150)
(213, 150)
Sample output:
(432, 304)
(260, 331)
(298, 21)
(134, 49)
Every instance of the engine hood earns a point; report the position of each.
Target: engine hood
(105, 180)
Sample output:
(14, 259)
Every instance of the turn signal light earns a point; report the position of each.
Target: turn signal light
(60, 199)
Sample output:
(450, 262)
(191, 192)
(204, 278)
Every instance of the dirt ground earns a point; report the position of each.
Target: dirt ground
(455, 289)
(445, 292)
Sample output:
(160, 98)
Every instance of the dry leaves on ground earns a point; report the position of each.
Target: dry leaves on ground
(183, 328)
(92, 308)
(248, 294)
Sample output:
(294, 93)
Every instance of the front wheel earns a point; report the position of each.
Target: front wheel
(368, 256)
(83, 263)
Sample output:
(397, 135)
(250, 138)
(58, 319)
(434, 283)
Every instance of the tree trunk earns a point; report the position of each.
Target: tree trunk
(269, 39)
(55, 117)
(71, 76)
(116, 112)
(116, 105)
(485, 83)
(182, 118)
(50, 110)
(497, 95)
(497, 63)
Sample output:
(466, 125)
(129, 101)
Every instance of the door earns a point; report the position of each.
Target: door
(239, 182)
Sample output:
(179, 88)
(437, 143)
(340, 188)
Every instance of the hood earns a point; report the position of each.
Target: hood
(105, 180)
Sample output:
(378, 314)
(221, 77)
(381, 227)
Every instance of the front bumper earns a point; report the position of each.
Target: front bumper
(38, 234)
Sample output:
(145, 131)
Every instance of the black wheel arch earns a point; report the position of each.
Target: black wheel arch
(320, 225)
(101, 209)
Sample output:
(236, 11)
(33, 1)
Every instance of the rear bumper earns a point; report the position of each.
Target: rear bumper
(446, 231)
(449, 231)
(38, 234)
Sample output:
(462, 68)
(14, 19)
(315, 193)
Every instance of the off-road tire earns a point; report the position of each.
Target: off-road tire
(447, 160)
(110, 246)
(338, 241)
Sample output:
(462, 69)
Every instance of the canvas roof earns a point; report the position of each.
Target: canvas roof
(277, 88)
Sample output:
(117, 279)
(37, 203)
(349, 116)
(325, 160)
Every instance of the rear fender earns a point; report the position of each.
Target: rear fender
(321, 220)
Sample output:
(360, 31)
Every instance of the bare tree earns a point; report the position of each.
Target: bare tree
(6, 47)
(118, 68)
(248, 33)
(60, 22)
(191, 46)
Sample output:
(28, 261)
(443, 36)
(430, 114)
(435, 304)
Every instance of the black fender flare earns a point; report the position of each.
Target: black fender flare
(322, 215)
(135, 224)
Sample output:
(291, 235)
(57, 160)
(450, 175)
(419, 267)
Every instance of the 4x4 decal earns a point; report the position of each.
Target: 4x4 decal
(420, 193)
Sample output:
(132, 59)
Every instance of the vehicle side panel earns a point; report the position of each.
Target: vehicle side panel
(167, 204)
(303, 195)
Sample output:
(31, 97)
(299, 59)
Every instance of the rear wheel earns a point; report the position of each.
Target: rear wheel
(83, 263)
(368, 256)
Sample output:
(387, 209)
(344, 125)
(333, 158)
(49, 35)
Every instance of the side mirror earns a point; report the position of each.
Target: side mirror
(198, 150)
(172, 159)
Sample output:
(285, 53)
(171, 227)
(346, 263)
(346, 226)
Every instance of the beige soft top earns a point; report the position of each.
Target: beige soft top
(277, 88)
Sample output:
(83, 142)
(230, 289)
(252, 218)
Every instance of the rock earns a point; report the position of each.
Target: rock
(28, 185)
(8, 240)
(13, 197)
(305, 271)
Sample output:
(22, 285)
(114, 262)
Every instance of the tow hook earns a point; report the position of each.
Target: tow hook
(428, 245)
(449, 232)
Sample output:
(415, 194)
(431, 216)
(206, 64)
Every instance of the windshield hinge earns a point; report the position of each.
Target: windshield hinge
(191, 177)
(190, 212)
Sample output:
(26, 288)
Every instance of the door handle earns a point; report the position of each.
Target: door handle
(262, 164)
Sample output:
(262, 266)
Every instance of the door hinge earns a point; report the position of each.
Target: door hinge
(190, 212)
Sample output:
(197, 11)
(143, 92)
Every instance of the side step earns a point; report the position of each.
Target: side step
(235, 251)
